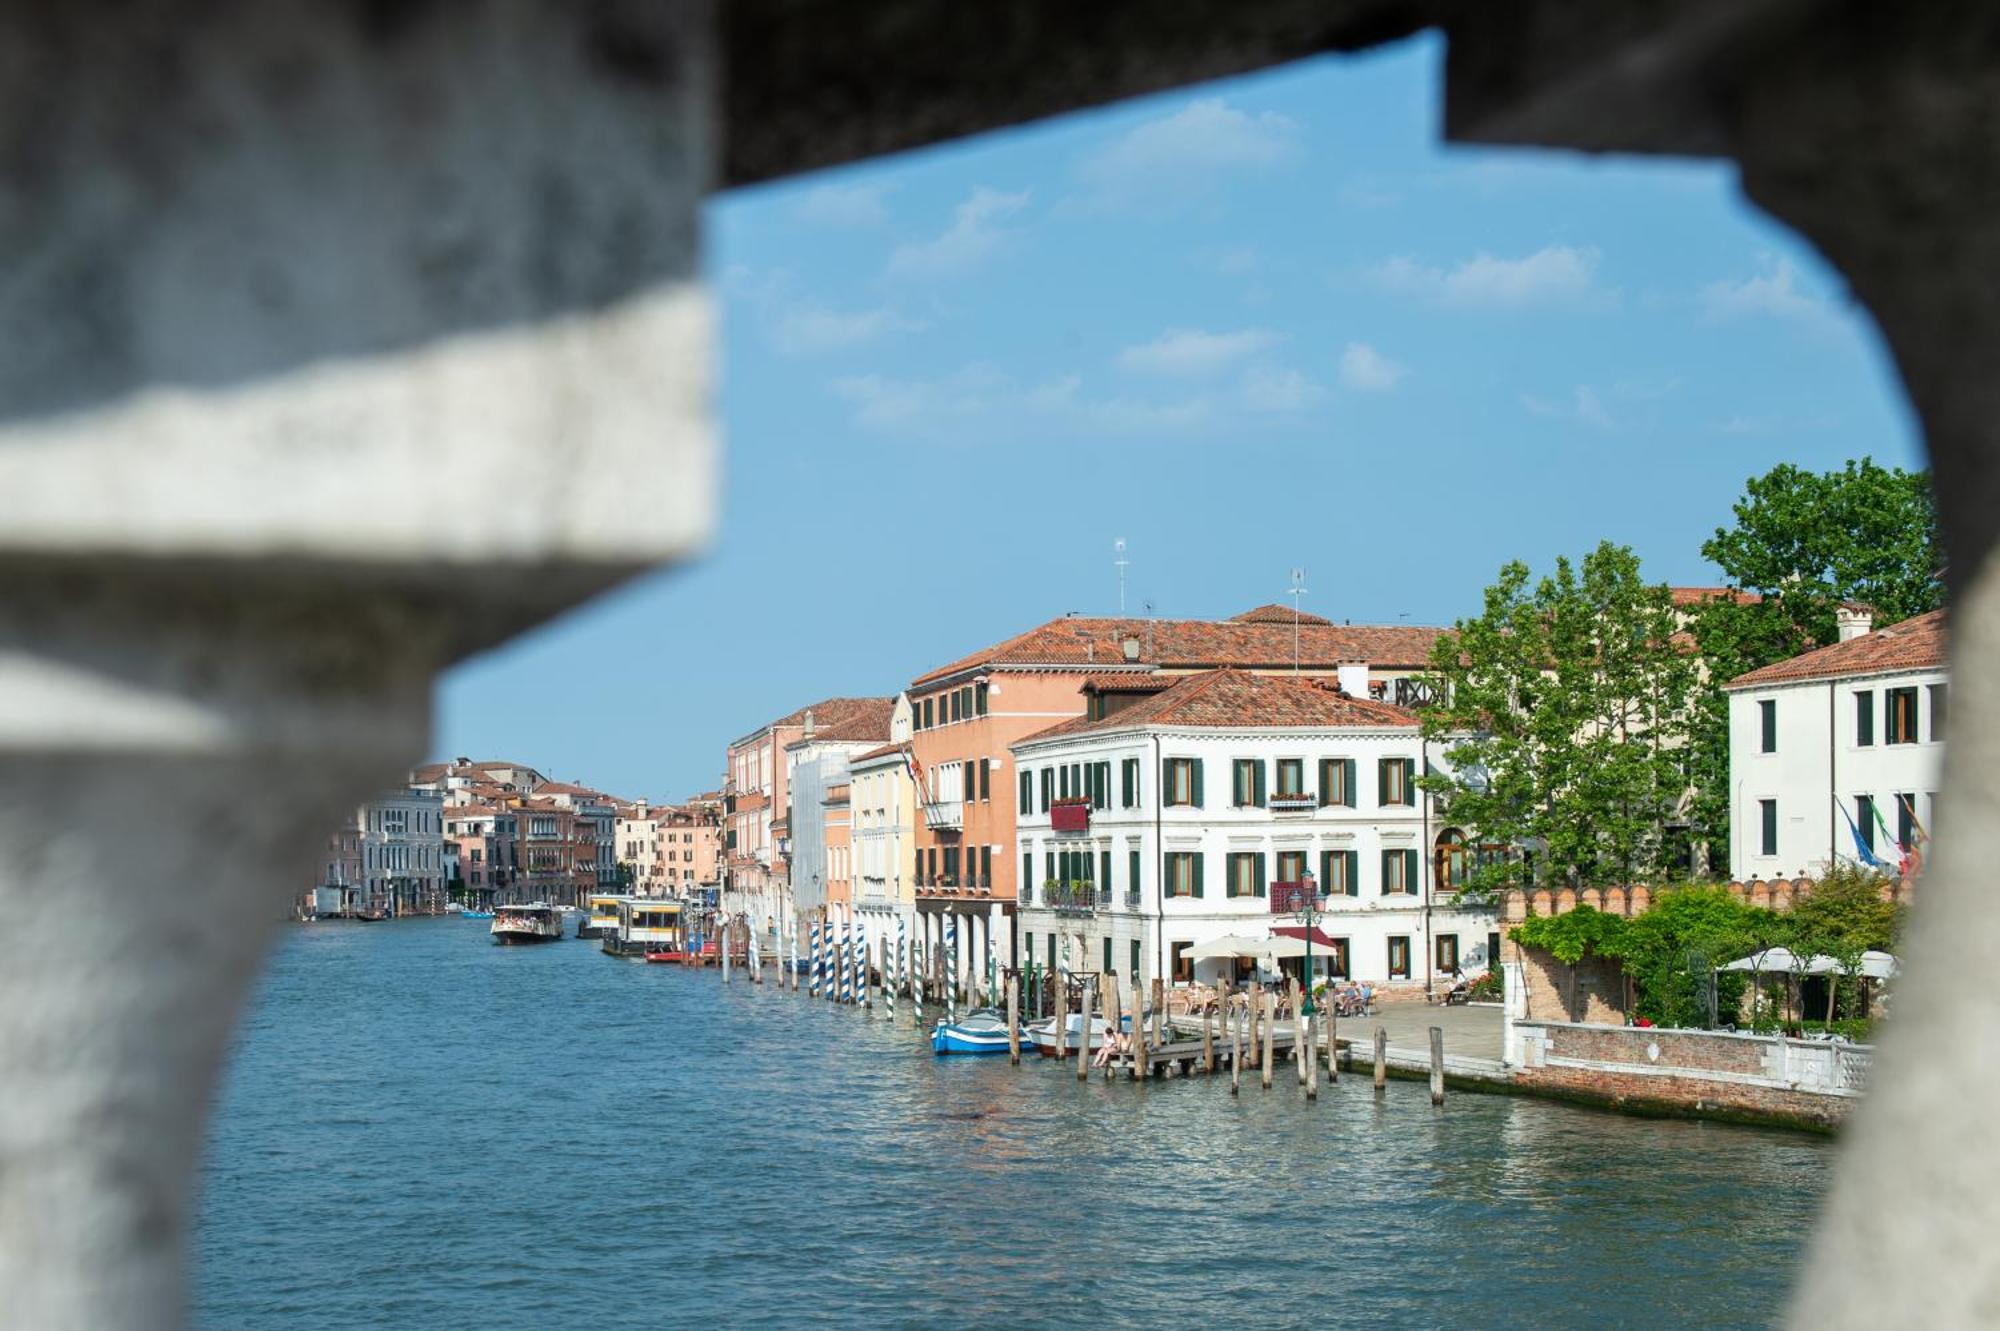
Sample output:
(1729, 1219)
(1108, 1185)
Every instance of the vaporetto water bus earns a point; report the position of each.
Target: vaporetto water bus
(650, 929)
(601, 921)
(533, 923)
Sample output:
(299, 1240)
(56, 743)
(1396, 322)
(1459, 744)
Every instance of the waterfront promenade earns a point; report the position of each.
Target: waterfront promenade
(420, 1129)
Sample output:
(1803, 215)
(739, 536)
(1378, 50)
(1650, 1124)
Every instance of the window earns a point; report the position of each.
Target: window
(1107, 957)
(964, 708)
(979, 699)
(1291, 866)
(1132, 880)
(1027, 951)
(1183, 874)
(1899, 716)
(1050, 858)
(1104, 874)
(1864, 821)
(1027, 792)
(1447, 953)
(1399, 871)
(986, 866)
(954, 705)
(1183, 781)
(1246, 874)
(1397, 782)
(1052, 951)
(1128, 784)
(1864, 718)
(1098, 779)
(1062, 781)
(1767, 726)
(1135, 961)
(1937, 713)
(1906, 821)
(1339, 875)
(1336, 782)
(1247, 783)
(1399, 957)
(1048, 787)
(986, 778)
(1291, 776)
(1767, 817)
(1341, 970)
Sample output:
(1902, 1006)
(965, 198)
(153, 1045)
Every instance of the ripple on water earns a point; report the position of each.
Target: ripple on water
(422, 1130)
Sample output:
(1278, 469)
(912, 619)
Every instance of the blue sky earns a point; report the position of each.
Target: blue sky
(1264, 323)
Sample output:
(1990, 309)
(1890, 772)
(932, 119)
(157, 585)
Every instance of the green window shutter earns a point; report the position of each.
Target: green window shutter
(1347, 780)
(1063, 782)
(1327, 882)
(1197, 801)
(1104, 869)
(1258, 872)
(1326, 780)
(1135, 959)
(1107, 957)
(1410, 870)
(1027, 792)
(1257, 794)
(1200, 859)
(1027, 875)
(1049, 860)
(1353, 871)
(1382, 782)
(1410, 781)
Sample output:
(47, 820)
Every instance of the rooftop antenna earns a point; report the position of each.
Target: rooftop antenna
(1298, 590)
(1149, 630)
(1118, 548)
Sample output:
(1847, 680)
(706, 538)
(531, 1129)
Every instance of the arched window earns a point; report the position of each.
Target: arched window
(1451, 861)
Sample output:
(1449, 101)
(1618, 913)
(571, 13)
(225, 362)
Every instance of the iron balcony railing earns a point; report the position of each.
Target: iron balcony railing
(1076, 897)
(945, 815)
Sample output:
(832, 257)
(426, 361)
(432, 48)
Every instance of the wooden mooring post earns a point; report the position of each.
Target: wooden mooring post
(1332, 1020)
(1437, 1065)
(1302, 1049)
(1381, 1058)
(1235, 1049)
(1142, 1066)
(1083, 1043)
(1159, 1009)
(1255, 1000)
(1270, 1042)
(1208, 1044)
(1312, 1060)
(865, 978)
(1014, 1019)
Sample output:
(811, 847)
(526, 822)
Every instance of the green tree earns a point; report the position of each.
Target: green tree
(1810, 540)
(1672, 949)
(1565, 723)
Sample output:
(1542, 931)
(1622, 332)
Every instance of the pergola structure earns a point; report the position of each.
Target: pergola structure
(279, 274)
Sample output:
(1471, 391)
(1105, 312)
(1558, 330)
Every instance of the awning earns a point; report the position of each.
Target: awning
(1311, 934)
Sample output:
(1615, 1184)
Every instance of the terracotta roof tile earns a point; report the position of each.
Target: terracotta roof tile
(843, 718)
(1275, 614)
(1183, 644)
(1685, 596)
(1236, 699)
(1136, 682)
(1914, 644)
(882, 752)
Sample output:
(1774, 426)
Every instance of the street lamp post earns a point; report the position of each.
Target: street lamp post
(1305, 909)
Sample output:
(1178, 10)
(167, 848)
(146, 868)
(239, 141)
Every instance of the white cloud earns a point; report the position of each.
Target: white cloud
(889, 404)
(1584, 407)
(1554, 275)
(1184, 155)
(808, 330)
(979, 402)
(1366, 370)
(1773, 294)
(844, 205)
(976, 230)
(1273, 389)
(1190, 352)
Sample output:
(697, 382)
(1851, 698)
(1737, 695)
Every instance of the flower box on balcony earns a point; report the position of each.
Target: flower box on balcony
(1070, 815)
(1293, 803)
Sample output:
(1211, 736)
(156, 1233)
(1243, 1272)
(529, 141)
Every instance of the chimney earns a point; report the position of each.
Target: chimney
(1353, 676)
(1853, 621)
(1131, 646)
(808, 729)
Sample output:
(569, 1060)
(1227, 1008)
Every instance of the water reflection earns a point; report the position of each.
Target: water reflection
(422, 1129)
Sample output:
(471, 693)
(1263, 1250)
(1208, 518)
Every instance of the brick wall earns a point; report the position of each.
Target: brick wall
(1700, 1072)
(1593, 990)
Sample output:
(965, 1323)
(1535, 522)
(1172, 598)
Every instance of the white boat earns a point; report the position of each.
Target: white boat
(652, 930)
(533, 923)
(981, 1031)
(1043, 1033)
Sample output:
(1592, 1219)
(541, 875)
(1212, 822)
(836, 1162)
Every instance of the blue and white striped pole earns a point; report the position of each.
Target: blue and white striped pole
(902, 958)
(951, 968)
(812, 978)
(842, 976)
(860, 959)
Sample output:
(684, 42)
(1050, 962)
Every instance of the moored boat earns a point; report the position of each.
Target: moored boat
(476, 914)
(981, 1031)
(1043, 1033)
(601, 920)
(534, 923)
(648, 929)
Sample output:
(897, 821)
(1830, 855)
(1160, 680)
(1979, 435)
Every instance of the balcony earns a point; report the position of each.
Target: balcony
(1076, 897)
(945, 815)
(1069, 815)
(1294, 803)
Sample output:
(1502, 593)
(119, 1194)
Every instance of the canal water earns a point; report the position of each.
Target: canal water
(420, 1129)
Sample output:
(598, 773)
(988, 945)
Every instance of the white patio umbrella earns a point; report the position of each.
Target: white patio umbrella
(1229, 945)
(1880, 965)
(1772, 959)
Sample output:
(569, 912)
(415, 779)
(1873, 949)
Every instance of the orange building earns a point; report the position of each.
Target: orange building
(967, 714)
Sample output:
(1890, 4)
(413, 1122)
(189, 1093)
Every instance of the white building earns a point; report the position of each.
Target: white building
(883, 801)
(1847, 734)
(816, 768)
(402, 853)
(1266, 779)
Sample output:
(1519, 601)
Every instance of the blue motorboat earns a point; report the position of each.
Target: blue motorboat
(476, 914)
(981, 1031)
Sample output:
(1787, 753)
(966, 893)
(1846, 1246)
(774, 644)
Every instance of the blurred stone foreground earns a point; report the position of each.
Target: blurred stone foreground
(308, 307)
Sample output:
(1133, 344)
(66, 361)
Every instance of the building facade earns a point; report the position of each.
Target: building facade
(1834, 755)
(967, 715)
(883, 802)
(1176, 812)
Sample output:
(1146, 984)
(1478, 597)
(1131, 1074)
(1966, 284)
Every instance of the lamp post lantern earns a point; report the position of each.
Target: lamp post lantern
(1300, 900)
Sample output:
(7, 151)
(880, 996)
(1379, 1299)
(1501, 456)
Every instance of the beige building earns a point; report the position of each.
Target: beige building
(883, 802)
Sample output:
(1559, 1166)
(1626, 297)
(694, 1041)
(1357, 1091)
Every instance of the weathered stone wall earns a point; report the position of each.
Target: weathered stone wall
(1592, 990)
(1699, 1072)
